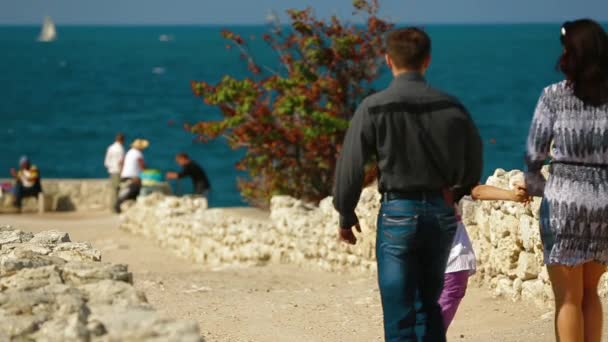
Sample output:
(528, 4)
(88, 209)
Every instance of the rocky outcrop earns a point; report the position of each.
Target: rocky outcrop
(505, 236)
(53, 289)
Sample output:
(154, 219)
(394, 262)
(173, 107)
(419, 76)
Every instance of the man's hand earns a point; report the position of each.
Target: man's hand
(14, 173)
(347, 235)
(171, 175)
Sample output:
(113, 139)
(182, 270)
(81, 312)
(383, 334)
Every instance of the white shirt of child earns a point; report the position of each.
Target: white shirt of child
(114, 156)
(131, 167)
(462, 256)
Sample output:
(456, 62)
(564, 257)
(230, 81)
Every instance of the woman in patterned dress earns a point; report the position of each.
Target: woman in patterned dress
(573, 115)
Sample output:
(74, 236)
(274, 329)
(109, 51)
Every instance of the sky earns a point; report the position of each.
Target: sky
(207, 12)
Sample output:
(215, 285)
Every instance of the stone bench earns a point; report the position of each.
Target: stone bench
(40, 204)
(65, 195)
(69, 195)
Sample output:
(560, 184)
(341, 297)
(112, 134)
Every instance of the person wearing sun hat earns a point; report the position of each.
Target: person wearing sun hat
(133, 166)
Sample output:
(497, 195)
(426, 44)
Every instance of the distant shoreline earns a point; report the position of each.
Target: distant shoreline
(252, 25)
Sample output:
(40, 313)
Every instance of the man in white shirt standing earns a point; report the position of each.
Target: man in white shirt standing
(132, 168)
(113, 163)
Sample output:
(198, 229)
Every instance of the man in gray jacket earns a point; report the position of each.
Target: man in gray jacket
(429, 155)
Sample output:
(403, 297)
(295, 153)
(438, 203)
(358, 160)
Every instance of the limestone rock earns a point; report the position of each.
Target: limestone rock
(544, 275)
(504, 288)
(527, 266)
(68, 328)
(87, 272)
(43, 297)
(43, 303)
(604, 286)
(142, 325)
(9, 235)
(21, 259)
(51, 237)
(536, 291)
(33, 278)
(535, 207)
(32, 247)
(503, 256)
(517, 285)
(529, 233)
(16, 328)
(115, 293)
(76, 251)
(468, 209)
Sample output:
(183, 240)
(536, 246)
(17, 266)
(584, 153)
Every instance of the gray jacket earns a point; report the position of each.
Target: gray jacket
(421, 138)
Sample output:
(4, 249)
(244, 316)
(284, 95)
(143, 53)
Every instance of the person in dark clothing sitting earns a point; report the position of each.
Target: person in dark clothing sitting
(190, 168)
(27, 180)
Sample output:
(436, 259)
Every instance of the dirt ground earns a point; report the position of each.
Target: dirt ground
(278, 302)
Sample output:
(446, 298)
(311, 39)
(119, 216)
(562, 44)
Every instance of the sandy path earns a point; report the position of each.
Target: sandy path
(279, 302)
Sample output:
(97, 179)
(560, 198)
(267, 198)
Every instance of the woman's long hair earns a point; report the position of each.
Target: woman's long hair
(585, 60)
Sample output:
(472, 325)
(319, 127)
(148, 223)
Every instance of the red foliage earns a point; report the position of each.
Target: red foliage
(292, 121)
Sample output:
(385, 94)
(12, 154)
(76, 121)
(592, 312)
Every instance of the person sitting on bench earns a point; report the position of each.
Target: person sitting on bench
(27, 180)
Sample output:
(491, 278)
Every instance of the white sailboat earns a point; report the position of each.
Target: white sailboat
(165, 38)
(272, 18)
(48, 33)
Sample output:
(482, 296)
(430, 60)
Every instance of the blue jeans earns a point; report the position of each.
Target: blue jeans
(412, 248)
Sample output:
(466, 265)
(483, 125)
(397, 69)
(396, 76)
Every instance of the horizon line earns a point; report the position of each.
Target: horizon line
(258, 24)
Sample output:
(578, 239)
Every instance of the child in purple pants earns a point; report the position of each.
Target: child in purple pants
(461, 265)
(461, 262)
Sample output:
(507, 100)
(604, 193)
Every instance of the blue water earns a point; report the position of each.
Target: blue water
(61, 103)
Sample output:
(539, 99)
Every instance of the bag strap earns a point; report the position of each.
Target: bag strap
(431, 150)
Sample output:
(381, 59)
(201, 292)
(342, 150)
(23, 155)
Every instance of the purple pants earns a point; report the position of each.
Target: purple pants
(454, 288)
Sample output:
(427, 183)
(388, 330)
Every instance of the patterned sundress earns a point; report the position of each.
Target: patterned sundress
(574, 211)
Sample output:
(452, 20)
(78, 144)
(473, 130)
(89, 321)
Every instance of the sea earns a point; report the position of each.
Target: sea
(61, 103)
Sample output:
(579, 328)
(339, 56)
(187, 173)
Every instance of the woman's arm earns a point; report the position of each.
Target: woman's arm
(539, 144)
(492, 193)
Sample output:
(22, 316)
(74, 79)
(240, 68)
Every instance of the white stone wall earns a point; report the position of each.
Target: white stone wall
(506, 239)
(52, 289)
(505, 236)
(294, 232)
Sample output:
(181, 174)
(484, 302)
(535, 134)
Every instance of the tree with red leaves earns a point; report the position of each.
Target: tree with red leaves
(292, 121)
